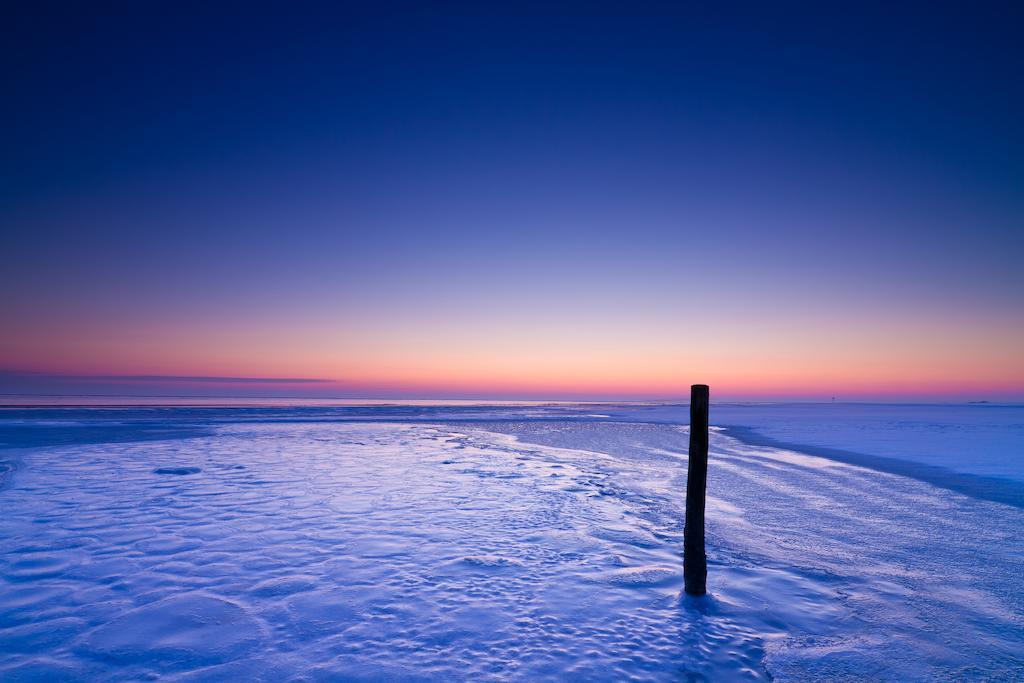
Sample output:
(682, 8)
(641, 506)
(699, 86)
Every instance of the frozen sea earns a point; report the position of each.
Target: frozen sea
(319, 542)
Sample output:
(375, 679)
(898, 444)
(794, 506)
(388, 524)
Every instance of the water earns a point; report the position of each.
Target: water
(523, 542)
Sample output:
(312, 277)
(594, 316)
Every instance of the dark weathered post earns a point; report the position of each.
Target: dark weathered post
(695, 562)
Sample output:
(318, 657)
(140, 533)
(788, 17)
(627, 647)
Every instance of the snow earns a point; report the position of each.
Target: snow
(522, 543)
(977, 439)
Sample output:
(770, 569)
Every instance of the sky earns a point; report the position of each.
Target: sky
(486, 200)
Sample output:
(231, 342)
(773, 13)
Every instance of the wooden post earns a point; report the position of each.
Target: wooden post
(695, 562)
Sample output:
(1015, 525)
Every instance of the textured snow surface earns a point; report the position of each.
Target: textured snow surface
(984, 440)
(524, 550)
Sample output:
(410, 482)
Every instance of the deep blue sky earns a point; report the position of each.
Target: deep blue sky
(389, 190)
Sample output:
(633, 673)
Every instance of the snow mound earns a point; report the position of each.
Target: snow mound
(187, 629)
(490, 561)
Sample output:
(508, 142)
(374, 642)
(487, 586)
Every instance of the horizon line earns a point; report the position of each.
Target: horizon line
(680, 400)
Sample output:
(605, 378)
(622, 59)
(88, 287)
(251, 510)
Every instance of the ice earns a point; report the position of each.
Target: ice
(493, 544)
(985, 440)
(873, 564)
(177, 470)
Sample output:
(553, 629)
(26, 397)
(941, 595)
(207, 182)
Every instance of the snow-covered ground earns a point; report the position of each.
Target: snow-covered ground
(523, 543)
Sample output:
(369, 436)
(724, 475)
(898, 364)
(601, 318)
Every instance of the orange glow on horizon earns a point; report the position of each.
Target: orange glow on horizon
(643, 357)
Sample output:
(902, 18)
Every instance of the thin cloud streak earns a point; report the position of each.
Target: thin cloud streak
(175, 379)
